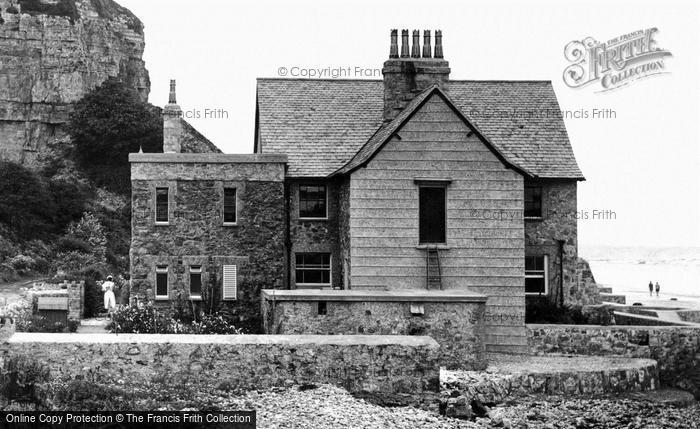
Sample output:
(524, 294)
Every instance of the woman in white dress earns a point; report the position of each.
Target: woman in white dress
(108, 289)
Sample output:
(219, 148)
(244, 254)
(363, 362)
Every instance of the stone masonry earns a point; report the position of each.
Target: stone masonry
(454, 320)
(370, 364)
(195, 234)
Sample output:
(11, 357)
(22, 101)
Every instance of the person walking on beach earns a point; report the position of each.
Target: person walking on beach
(657, 288)
(651, 288)
(108, 289)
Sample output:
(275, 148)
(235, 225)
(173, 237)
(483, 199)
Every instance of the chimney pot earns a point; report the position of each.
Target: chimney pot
(438, 44)
(426, 44)
(394, 48)
(415, 51)
(173, 98)
(404, 44)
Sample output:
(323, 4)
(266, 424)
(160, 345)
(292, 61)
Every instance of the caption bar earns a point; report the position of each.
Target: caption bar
(128, 419)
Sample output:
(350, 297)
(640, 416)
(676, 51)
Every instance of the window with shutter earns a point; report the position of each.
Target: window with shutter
(230, 282)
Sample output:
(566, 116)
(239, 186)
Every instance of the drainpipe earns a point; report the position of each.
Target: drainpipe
(287, 233)
(561, 272)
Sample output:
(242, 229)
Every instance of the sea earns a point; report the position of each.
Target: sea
(628, 270)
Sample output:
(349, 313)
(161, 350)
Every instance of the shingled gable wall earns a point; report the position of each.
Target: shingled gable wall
(196, 235)
(482, 254)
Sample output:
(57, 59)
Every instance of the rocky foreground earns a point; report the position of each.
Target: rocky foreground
(331, 407)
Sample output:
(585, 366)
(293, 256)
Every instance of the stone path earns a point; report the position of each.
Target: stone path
(97, 325)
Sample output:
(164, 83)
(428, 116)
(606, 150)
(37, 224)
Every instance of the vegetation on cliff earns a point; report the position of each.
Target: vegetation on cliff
(72, 213)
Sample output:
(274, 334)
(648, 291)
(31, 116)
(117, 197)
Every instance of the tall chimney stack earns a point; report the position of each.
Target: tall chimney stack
(407, 75)
(172, 123)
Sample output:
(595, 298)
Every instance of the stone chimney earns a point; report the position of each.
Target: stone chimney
(172, 123)
(410, 73)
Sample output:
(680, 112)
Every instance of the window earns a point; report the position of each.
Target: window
(533, 201)
(431, 215)
(162, 205)
(536, 281)
(162, 282)
(312, 202)
(229, 206)
(230, 282)
(313, 269)
(195, 282)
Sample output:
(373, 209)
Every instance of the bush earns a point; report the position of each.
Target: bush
(70, 243)
(64, 8)
(89, 395)
(93, 304)
(26, 205)
(21, 312)
(22, 380)
(109, 123)
(542, 310)
(150, 320)
(11, 9)
(22, 264)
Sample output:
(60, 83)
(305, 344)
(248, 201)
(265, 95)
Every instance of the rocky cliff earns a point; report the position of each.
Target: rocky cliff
(51, 53)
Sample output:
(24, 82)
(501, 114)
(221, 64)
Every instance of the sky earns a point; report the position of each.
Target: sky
(641, 160)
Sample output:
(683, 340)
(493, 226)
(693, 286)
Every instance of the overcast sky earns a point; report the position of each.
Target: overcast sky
(643, 164)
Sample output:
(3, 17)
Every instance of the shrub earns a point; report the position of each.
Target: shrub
(22, 264)
(150, 320)
(92, 395)
(93, 303)
(65, 8)
(26, 205)
(71, 243)
(12, 9)
(22, 379)
(21, 312)
(90, 230)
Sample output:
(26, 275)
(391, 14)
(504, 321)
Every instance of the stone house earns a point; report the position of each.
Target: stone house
(410, 190)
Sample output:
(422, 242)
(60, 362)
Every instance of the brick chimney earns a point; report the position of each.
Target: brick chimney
(172, 123)
(409, 74)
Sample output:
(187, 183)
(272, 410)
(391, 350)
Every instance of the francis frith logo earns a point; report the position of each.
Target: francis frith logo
(615, 63)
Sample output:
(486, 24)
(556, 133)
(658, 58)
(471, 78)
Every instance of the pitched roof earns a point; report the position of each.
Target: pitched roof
(386, 131)
(323, 124)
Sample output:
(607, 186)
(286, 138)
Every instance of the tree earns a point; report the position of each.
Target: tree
(109, 123)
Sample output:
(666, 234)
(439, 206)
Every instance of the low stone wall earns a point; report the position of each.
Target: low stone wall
(675, 348)
(72, 291)
(453, 319)
(395, 365)
(692, 316)
(630, 319)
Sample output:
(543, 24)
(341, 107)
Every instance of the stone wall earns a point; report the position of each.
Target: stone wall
(195, 234)
(456, 325)
(677, 349)
(73, 292)
(395, 365)
(559, 223)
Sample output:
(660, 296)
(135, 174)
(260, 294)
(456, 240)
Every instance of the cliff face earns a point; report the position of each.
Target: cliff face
(51, 53)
